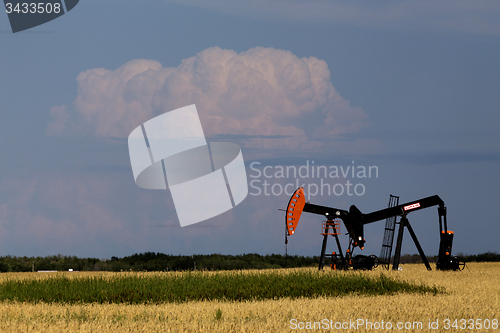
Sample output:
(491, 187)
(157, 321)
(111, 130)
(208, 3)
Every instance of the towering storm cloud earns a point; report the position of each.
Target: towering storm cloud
(270, 97)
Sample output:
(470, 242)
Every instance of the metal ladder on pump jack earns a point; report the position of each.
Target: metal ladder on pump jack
(390, 226)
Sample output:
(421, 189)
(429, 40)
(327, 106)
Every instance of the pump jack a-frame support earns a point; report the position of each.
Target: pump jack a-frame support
(402, 224)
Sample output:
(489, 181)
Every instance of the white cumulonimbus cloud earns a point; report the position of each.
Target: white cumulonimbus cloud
(270, 97)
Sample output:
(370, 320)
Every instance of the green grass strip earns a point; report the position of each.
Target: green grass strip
(196, 286)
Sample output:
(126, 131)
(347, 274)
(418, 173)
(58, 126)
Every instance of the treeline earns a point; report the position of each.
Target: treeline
(151, 261)
(483, 257)
(488, 256)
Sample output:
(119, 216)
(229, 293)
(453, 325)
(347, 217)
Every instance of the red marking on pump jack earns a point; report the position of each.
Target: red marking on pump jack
(412, 206)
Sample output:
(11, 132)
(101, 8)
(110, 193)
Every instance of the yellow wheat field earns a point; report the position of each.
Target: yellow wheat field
(473, 294)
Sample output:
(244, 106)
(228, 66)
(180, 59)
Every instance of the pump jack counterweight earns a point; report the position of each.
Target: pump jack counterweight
(354, 221)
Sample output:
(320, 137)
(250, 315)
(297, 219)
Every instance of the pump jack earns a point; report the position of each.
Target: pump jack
(354, 222)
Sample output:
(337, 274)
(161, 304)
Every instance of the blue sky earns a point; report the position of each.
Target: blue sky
(409, 87)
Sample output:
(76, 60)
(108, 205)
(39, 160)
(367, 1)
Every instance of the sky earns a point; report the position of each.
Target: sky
(407, 88)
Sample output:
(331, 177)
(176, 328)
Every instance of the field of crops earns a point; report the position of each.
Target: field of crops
(158, 288)
(470, 294)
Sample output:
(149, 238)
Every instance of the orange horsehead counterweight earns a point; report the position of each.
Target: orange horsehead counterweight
(294, 210)
(352, 219)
